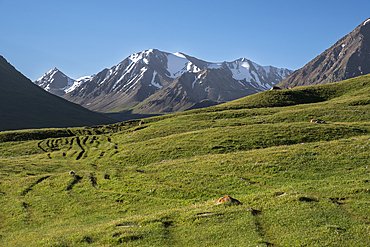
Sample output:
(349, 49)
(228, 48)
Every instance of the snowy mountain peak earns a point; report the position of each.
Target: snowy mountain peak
(56, 82)
(53, 69)
(49, 73)
(141, 56)
(148, 73)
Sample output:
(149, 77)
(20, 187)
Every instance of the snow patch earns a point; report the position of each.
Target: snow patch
(106, 76)
(195, 80)
(178, 64)
(73, 84)
(192, 67)
(137, 77)
(256, 78)
(241, 83)
(240, 70)
(126, 71)
(145, 60)
(366, 22)
(49, 73)
(153, 80)
(340, 53)
(140, 56)
(52, 72)
(178, 54)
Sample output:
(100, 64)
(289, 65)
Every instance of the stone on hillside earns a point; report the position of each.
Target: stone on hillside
(317, 121)
(227, 199)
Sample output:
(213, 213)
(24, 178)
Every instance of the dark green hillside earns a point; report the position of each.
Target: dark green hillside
(155, 181)
(24, 105)
(299, 95)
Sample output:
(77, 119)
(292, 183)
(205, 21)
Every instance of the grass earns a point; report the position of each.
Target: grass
(155, 181)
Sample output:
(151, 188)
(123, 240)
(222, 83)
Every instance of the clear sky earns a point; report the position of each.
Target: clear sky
(82, 37)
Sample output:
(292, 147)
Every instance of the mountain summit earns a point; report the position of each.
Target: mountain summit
(347, 58)
(56, 82)
(156, 81)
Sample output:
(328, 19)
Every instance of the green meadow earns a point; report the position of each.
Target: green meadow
(156, 181)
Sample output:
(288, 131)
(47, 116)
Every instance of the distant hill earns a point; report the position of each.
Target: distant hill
(153, 81)
(347, 58)
(24, 105)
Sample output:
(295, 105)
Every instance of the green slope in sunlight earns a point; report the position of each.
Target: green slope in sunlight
(155, 181)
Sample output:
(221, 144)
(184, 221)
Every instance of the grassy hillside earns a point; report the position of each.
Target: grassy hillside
(155, 182)
(24, 105)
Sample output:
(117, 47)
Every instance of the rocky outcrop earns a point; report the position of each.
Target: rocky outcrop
(227, 199)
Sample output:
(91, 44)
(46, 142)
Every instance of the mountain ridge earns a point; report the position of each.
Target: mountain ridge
(149, 75)
(349, 57)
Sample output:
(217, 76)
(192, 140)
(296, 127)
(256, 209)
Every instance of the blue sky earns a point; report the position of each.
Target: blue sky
(82, 37)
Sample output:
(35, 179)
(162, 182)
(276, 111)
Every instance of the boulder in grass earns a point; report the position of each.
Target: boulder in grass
(317, 121)
(227, 199)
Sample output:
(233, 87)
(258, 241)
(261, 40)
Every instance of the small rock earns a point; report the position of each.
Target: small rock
(317, 121)
(228, 199)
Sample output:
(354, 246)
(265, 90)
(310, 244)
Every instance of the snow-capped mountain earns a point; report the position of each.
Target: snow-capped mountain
(56, 82)
(156, 81)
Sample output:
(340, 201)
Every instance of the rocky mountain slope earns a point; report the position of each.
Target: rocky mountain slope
(153, 81)
(347, 58)
(24, 105)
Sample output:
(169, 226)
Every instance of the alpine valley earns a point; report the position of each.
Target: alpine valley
(156, 82)
(257, 171)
